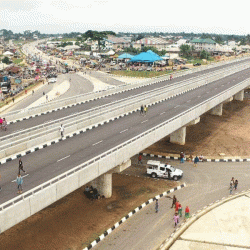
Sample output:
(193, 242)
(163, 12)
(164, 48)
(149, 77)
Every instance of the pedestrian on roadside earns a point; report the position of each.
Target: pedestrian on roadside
(190, 158)
(174, 201)
(182, 155)
(145, 109)
(4, 124)
(176, 219)
(187, 212)
(13, 99)
(196, 160)
(33, 92)
(235, 184)
(1, 122)
(180, 210)
(62, 130)
(43, 93)
(231, 188)
(232, 181)
(201, 158)
(47, 98)
(156, 206)
(140, 159)
(19, 181)
(177, 206)
(142, 109)
(20, 167)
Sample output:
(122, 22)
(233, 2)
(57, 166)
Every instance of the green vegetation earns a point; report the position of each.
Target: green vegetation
(17, 61)
(6, 60)
(145, 74)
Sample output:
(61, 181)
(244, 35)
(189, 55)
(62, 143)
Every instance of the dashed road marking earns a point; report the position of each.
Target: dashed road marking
(177, 106)
(22, 176)
(64, 158)
(124, 131)
(96, 143)
(189, 101)
(162, 113)
(144, 121)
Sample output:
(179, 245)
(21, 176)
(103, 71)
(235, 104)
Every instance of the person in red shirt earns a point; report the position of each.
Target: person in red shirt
(187, 211)
(140, 159)
(176, 206)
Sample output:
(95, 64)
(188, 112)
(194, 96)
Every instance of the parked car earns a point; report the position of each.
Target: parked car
(197, 64)
(158, 169)
(52, 80)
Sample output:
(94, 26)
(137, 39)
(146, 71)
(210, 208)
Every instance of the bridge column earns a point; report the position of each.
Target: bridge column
(179, 136)
(104, 182)
(239, 96)
(217, 110)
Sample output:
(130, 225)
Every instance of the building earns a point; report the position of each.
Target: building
(204, 44)
(156, 42)
(113, 42)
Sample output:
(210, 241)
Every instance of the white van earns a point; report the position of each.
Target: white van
(158, 169)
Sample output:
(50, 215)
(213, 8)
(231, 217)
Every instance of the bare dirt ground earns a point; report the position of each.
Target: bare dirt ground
(75, 221)
(228, 134)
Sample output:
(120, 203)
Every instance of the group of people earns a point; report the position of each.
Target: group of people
(233, 185)
(92, 193)
(3, 124)
(178, 210)
(191, 159)
(143, 110)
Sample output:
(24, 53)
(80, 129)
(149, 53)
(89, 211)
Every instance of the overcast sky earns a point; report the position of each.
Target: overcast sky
(65, 16)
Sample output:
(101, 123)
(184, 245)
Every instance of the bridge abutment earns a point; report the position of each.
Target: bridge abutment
(239, 96)
(217, 110)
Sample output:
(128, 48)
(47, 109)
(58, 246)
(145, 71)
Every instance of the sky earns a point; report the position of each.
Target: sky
(65, 16)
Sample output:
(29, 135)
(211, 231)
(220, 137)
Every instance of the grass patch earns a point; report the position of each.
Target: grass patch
(145, 74)
(17, 61)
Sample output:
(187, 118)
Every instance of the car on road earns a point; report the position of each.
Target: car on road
(52, 80)
(158, 169)
(197, 64)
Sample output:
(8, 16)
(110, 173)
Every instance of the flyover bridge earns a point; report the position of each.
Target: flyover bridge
(94, 154)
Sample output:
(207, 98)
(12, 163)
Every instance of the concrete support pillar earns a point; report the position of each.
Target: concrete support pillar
(179, 136)
(217, 110)
(228, 100)
(193, 122)
(239, 96)
(103, 184)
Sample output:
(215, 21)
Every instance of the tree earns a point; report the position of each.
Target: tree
(204, 54)
(186, 50)
(218, 39)
(6, 60)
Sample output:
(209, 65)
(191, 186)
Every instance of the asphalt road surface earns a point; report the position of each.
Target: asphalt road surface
(207, 183)
(47, 163)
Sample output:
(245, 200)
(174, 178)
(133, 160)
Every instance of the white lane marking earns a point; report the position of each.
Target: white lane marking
(189, 101)
(144, 121)
(162, 113)
(22, 176)
(96, 143)
(176, 106)
(64, 158)
(123, 131)
(198, 96)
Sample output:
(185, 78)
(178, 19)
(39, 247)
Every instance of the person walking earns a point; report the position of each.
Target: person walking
(231, 188)
(145, 109)
(47, 98)
(140, 159)
(4, 124)
(142, 109)
(19, 181)
(196, 160)
(21, 166)
(232, 181)
(156, 206)
(177, 206)
(187, 212)
(180, 210)
(174, 201)
(182, 155)
(176, 219)
(235, 184)
(62, 130)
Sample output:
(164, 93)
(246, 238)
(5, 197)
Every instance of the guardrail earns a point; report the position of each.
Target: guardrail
(85, 119)
(48, 192)
(94, 95)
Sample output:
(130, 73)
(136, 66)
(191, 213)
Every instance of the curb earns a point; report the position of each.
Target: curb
(109, 231)
(185, 225)
(204, 160)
